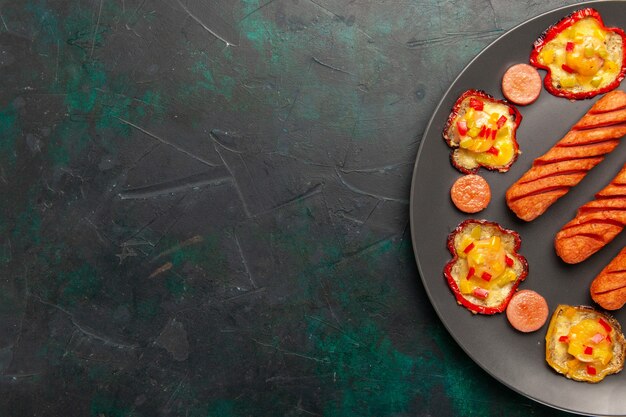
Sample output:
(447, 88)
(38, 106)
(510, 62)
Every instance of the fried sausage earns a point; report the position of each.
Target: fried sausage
(596, 223)
(566, 163)
(527, 311)
(470, 193)
(521, 84)
(608, 289)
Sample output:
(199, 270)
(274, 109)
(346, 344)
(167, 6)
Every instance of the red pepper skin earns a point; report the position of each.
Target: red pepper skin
(551, 33)
(471, 272)
(480, 293)
(476, 104)
(564, 339)
(447, 272)
(513, 112)
(461, 125)
(606, 325)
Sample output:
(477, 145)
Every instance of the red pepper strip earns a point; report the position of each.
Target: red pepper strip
(501, 121)
(508, 261)
(606, 325)
(608, 338)
(564, 339)
(588, 350)
(493, 151)
(480, 292)
(567, 68)
(569, 47)
(469, 247)
(471, 272)
(476, 104)
(493, 134)
(461, 126)
(591, 370)
(482, 131)
(487, 133)
(486, 276)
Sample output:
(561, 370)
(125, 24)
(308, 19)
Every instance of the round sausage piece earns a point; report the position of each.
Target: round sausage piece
(527, 311)
(470, 193)
(521, 84)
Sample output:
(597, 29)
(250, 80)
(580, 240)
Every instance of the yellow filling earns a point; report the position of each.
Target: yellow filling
(486, 262)
(479, 138)
(589, 344)
(580, 57)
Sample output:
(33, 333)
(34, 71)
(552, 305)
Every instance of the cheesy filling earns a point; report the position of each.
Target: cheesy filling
(486, 266)
(584, 57)
(586, 342)
(484, 136)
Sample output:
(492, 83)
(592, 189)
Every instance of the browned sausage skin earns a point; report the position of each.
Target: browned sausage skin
(596, 223)
(566, 163)
(608, 289)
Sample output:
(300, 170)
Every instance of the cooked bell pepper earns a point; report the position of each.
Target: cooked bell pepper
(484, 278)
(578, 344)
(482, 132)
(583, 57)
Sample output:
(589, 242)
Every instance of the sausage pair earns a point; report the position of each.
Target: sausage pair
(553, 174)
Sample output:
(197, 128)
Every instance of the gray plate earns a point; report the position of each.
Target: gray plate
(513, 358)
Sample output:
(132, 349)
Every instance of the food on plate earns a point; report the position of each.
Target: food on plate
(481, 130)
(582, 56)
(527, 311)
(584, 344)
(521, 84)
(608, 288)
(485, 268)
(470, 193)
(566, 163)
(596, 223)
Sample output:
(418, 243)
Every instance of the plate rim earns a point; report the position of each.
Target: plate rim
(412, 197)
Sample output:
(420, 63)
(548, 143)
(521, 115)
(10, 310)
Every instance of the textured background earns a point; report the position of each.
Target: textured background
(204, 207)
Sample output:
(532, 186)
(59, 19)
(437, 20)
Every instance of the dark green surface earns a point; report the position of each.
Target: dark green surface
(205, 207)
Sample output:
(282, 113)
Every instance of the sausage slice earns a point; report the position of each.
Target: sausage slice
(470, 193)
(521, 84)
(527, 311)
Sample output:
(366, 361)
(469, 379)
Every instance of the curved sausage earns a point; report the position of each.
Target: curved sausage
(566, 163)
(608, 289)
(521, 84)
(527, 311)
(596, 223)
(470, 193)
